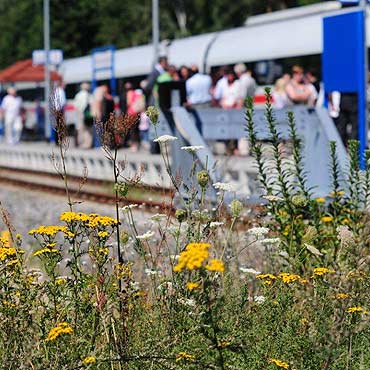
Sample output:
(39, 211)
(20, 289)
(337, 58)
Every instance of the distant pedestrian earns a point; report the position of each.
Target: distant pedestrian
(11, 109)
(347, 122)
(279, 95)
(231, 97)
(123, 98)
(198, 89)
(247, 82)
(184, 73)
(85, 120)
(135, 106)
(297, 91)
(158, 70)
(107, 104)
(221, 85)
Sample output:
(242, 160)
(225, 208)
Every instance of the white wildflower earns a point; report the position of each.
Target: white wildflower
(192, 148)
(167, 285)
(187, 302)
(135, 285)
(224, 186)
(283, 254)
(125, 209)
(151, 272)
(259, 299)
(272, 198)
(215, 224)
(258, 231)
(270, 241)
(158, 217)
(165, 139)
(345, 235)
(249, 270)
(313, 249)
(174, 257)
(148, 235)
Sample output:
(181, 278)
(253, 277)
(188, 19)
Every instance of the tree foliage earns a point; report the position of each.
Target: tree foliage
(77, 26)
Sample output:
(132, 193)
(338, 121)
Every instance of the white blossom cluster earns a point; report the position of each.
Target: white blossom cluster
(165, 139)
(125, 209)
(148, 235)
(258, 231)
(215, 224)
(192, 148)
(249, 270)
(224, 186)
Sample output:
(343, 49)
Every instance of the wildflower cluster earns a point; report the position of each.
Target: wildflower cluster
(62, 328)
(193, 257)
(48, 230)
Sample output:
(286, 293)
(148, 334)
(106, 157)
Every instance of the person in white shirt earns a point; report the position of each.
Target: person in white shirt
(11, 108)
(198, 88)
(84, 124)
(221, 85)
(247, 82)
(231, 97)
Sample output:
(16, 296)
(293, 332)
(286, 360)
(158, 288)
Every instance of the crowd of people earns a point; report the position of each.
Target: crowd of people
(227, 88)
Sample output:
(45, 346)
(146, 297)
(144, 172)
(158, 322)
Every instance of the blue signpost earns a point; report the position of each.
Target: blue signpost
(103, 60)
(344, 62)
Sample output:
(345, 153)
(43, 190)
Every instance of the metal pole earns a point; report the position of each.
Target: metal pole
(47, 68)
(155, 28)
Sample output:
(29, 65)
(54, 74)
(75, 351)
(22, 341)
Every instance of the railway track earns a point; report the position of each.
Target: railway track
(152, 199)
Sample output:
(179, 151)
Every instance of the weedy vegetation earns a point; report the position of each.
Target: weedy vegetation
(189, 293)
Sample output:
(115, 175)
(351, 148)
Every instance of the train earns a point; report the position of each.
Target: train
(268, 43)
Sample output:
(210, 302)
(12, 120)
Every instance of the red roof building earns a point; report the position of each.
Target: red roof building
(25, 71)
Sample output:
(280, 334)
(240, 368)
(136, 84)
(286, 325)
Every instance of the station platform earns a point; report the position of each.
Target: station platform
(44, 157)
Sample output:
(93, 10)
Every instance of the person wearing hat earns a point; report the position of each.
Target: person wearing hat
(297, 91)
(11, 110)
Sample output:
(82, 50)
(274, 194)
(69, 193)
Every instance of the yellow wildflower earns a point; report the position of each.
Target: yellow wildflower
(223, 344)
(356, 309)
(215, 265)
(48, 230)
(103, 251)
(320, 200)
(279, 363)
(191, 286)
(327, 219)
(339, 193)
(62, 328)
(89, 360)
(6, 252)
(185, 356)
(102, 234)
(60, 281)
(12, 262)
(97, 220)
(267, 278)
(193, 256)
(341, 296)
(45, 251)
(288, 278)
(321, 271)
(74, 217)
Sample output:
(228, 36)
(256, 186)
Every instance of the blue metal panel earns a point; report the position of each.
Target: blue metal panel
(343, 56)
(343, 62)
